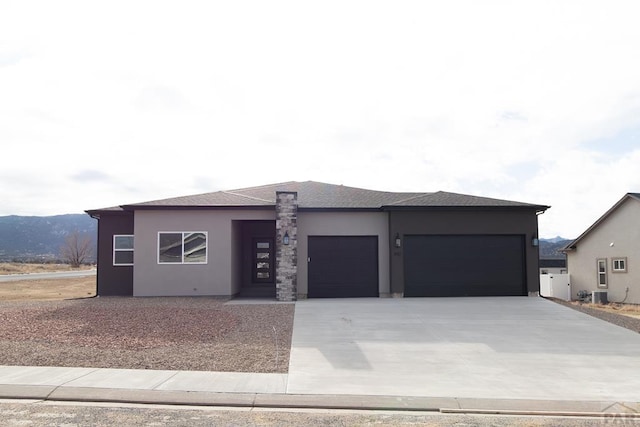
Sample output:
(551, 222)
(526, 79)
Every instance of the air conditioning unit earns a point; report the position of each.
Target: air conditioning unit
(599, 297)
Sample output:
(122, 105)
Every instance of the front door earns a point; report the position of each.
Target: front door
(262, 260)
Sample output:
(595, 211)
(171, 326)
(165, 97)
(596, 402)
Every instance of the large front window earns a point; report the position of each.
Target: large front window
(188, 247)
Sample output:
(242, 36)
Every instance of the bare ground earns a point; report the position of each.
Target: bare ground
(624, 315)
(45, 289)
(40, 327)
(24, 268)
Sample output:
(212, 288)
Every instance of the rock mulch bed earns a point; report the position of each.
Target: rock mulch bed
(615, 318)
(147, 333)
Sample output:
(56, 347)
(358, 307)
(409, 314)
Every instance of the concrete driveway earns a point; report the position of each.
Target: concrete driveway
(498, 348)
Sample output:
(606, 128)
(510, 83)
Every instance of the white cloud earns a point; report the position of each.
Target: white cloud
(518, 100)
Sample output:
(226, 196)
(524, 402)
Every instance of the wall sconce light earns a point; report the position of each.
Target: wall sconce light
(285, 238)
(535, 242)
(397, 241)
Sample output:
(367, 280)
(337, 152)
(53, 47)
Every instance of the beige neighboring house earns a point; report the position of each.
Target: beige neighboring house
(606, 257)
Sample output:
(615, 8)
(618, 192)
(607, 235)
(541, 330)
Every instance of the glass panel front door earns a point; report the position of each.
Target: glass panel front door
(263, 260)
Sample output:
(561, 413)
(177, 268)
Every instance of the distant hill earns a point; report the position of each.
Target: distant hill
(550, 248)
(39, 238)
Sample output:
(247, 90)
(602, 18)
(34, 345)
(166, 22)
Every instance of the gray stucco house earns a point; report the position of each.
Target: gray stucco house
(310, 239)
(606, 256)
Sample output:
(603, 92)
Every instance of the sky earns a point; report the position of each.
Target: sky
(109, 103)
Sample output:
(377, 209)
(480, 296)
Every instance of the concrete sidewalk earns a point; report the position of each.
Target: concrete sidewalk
(256, 390)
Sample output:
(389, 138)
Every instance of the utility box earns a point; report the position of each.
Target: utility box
(599, 297)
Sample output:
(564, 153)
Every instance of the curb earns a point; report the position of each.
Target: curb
(449, 405)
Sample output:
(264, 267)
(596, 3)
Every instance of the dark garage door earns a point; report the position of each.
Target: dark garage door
(464, 265)
(343, 266)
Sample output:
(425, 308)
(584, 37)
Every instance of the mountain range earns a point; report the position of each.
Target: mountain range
(550, 248)
(39, 238)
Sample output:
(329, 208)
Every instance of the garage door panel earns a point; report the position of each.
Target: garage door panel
(464, 265)
(342, 266)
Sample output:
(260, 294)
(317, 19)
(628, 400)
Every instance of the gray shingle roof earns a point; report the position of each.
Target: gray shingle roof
(318, 195)
(444, 199)
(219, 198)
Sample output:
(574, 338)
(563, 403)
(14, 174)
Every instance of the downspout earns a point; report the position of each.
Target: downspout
(390, 257)
(536, 236)
(97, 218)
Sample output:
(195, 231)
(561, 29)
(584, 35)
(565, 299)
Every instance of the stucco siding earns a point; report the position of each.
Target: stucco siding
(113, 279)
(218, 277)
(622, 228)
(343, 224)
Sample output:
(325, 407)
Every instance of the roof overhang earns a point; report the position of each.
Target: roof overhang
(96, 213)
(531, 208)
(131, 208)
(127, 209)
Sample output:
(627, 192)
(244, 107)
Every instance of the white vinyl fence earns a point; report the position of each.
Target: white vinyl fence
(556, 286)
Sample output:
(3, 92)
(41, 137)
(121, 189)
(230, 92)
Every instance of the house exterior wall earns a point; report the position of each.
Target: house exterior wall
(343, 224)
(622, 228)
(509, 222)
(553, 270)
(553, 266)
(219, 276)
(113, 279)
(237, 261)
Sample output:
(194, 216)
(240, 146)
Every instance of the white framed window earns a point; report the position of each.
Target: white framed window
(182, 247)
(619, 265)
(602, 273)
(123, 249)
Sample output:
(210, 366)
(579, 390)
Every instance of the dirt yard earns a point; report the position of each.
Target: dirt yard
(194, 333)
(631, 310)
(625, 315)
(55, 323)
(44, 289)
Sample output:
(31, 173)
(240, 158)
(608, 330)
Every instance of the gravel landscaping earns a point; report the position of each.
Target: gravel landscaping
(177, 333)
(615, 318)
(205, 334)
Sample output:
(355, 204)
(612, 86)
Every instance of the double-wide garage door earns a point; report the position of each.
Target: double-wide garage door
(342, 266)
(464, 265)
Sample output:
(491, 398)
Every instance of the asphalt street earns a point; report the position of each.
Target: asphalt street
(46, 276)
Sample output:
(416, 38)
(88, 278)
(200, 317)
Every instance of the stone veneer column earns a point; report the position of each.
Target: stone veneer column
(286, 255)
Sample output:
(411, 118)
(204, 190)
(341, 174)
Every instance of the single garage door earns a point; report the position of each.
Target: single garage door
(464, 265)
(343, 266)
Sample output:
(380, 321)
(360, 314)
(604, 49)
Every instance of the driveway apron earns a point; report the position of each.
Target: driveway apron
(501, 348)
